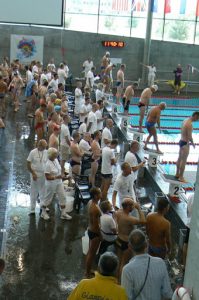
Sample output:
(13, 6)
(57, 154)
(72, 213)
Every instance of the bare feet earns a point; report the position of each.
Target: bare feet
(177, 175)
(182, 179)
(159, 152)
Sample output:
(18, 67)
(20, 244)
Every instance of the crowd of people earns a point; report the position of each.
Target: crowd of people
(138, 263)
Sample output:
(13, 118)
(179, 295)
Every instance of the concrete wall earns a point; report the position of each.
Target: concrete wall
(79, 45)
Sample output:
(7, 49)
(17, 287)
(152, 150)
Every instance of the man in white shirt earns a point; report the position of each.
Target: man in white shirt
(99, 112)
(106, 133)
(36, 163)
(90, 78)
(35, 68)
(99, 94)
(84, 110)
(84, 143)
(82, 127)
(152, 73)
(108, 226)
(78, 97)
(51, 65)
(29, 75)
(43, 77)
(108, 160)
(132, 160)
(123, 185)
(92, 119)
(87, 66)
(54, 83)
(62, 76)
(66, 68)
(65, 142)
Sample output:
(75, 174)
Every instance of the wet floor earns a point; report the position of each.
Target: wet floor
(43, 259)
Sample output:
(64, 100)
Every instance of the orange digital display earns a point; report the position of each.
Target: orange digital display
(113, 44)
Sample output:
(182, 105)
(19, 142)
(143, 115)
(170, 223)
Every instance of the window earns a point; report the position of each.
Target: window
(173, 20)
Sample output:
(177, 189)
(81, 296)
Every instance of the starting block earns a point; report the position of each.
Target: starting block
(137, 136)
(175, 187)
(153, 157)
(125, 121)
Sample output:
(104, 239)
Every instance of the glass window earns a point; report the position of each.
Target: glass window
(78, 22)
(140, 8)
(82, 6)
(179, 31)
(115, 7)
(158, 9)
(182, 9)
(157, 29)
(138, 27)
(115, 25)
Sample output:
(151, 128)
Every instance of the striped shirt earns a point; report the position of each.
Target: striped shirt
(157, 284)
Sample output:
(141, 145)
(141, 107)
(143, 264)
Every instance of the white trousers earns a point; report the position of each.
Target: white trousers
(52, 188)
(151, 80)
(37, 187)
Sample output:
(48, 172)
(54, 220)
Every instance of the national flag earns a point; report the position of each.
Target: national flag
(120, 5)
(197, 9)
(167, 6)
(154, 6)
(139, 5)
(183, 4)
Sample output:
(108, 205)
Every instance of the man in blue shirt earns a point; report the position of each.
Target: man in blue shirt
(145, 277)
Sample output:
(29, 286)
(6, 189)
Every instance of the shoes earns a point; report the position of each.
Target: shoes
(65, 216)
(44, 215)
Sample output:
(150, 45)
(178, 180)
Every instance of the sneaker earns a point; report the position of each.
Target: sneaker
(44, 215)
(65, 216)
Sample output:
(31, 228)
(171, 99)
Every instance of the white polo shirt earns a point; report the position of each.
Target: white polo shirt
(106, 134)
(124, 186)
(84, 145)
(38, 160)
(87, 66)
(131, 159)
(92, 118)
(107, 223)
(107, 156)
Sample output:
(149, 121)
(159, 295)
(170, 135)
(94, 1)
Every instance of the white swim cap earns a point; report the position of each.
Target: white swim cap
(155, 87)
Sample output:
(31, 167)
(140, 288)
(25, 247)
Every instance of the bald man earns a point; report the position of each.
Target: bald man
(126, 223)
(128, 94)
(120, 82)
(153, 118)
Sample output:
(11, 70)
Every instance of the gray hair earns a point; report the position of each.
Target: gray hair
(51, 152)
(108, 264)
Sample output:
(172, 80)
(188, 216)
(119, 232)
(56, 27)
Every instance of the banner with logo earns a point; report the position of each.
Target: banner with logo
(26, 48)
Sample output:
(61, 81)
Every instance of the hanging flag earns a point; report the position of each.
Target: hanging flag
(139, 5)
(167, 6)
(197, 9)
(183, 4)
(120, 5)
(154, 6)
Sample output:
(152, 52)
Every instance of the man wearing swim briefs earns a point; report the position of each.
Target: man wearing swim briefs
(120, 82)
(126, 223)
(153, 118)
(144, 102)
(128, 94)
(186, 138)
(39, 120)
(76, 154)
(94, 232)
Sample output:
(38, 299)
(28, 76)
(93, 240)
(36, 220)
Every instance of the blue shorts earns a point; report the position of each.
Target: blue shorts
(149, 124)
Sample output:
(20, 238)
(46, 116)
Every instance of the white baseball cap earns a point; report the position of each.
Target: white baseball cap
(155, 87)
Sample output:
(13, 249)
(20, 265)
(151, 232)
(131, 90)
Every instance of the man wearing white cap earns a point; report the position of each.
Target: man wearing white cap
(144, 102)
